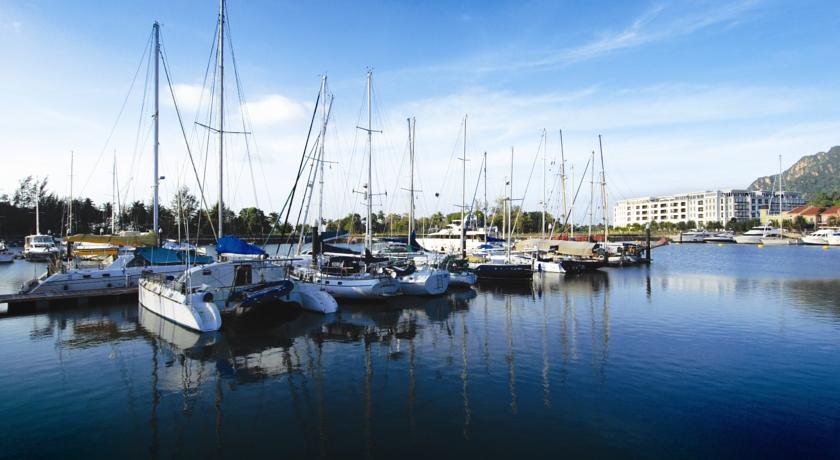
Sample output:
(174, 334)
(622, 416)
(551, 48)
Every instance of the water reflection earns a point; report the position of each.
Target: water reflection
(374, 379)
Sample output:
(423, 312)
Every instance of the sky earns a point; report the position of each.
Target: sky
(687, 95)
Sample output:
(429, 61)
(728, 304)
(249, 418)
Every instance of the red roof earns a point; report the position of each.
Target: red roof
(798, 209)
(832, 211)
(811, 211)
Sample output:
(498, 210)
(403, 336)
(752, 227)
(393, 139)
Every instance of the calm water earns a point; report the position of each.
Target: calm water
(711, 352)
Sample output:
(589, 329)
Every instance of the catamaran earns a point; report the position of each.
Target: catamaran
(247, 278)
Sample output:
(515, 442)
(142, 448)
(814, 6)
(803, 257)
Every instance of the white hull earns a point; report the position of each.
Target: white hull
(834, 240)
(547, 266)
(425, 281)
(448, 245)
(815, 240)
(192, 312)
(464, 278)
(778, 241)
(352, 287)
(748, 239)
(87, 279)
(312, 297)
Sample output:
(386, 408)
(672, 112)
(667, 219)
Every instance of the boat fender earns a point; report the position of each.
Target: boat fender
(208, 297)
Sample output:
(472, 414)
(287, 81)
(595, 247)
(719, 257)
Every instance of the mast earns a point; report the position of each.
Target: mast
(542, 221)
(563, 179)
(114, 195)
(485, 198)
(369, 223)
(781, 192)
(37, 210)
(411, 126)
(321, 154)
(464, 194)
(509, 210)
(591, 193)
(70, 201)
(155, 204)
(221, 64)
(604, 192)
(572, 210)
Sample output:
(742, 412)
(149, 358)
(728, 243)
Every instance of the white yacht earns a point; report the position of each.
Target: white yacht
(694, 236)
(199, 296)
(834, 238)
(448, 239)
(819, 237)
(722, 237)
(755, 234)
(40, 248)
(124, 271)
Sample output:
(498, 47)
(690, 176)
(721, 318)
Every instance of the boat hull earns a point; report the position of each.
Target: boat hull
(194, 311)
(547, 266)
(582, 266)
(503, 271)
(312, 297)
(425, 282)
(463, 278)
(95, 279)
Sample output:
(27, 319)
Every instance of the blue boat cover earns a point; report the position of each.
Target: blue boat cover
(195, 258)
(233, 245)
(159, 256)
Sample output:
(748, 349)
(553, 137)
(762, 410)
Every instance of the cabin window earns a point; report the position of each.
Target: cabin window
(242, 275)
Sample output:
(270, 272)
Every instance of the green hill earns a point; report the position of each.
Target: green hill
(810, 175)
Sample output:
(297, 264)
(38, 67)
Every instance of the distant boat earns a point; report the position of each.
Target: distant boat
(6, 256)
(755, 234)
(819, 237)
(723, 237)
(694, 236)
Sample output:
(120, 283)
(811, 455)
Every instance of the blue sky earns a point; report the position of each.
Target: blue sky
(688, 95)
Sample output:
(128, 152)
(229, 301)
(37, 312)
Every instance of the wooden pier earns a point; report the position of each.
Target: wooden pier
(78, 298)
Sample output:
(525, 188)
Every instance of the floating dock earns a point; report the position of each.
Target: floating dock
(48, 300)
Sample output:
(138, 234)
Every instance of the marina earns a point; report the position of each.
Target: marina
(708, 342)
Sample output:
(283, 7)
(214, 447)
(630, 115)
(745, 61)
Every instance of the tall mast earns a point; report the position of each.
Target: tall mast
(572, 210)
(155, 204)
(321, 154)
(603, 192)
(411, 126)
(221, 56)
(591, 193)
(369, 223)
(464, 194)
(781, 191)
(563, 179)
(485, 197)
(114, 195)
(70, 201)
(37, 209)
(545, 150)
(509, 209)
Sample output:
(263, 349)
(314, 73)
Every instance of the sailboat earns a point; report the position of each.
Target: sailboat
(125, 267)
(424, 279)
(508, 267)
(779, 239)
(346, 274)
(200, 295)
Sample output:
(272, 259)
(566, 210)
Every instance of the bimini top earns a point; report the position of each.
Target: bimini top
(233, 245)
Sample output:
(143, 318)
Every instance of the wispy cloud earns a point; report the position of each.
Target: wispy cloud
(657, 24)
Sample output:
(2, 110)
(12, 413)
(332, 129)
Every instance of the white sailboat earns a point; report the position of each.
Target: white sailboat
(348, 276)
(200, 295)
(779, 239)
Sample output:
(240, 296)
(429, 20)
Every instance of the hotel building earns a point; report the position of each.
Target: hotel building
(700, 207)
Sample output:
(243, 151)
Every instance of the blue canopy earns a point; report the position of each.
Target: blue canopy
(233, 245)
(159, 256)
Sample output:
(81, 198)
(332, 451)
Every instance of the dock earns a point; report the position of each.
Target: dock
(48, 300)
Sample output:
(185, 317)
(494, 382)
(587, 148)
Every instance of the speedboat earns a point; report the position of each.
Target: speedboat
(694, 236)
(819, 237)
(723, 237)
(40, 248)
(755, 234)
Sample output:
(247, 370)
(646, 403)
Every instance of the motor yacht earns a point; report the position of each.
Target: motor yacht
(722, 237)
(819, 237)
(694, 236)
(755, 234)
(40, 248)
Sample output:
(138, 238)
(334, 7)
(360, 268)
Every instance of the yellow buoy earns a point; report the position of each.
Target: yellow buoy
(720, 245)
(825, 247)
(760, 246)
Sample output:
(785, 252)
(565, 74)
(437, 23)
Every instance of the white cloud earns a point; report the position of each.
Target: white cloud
(275, 108)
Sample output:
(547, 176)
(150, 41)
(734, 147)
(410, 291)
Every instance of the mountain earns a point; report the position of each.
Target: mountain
(810, 175)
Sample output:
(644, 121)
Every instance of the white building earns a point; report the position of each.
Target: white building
(700, 207)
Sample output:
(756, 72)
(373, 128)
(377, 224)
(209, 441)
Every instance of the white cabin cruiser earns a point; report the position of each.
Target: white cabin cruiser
(819, 237)
(834, 238)
(448, 239)
(40, 248)
(722, 237)
(694, 236)
(755, 234)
